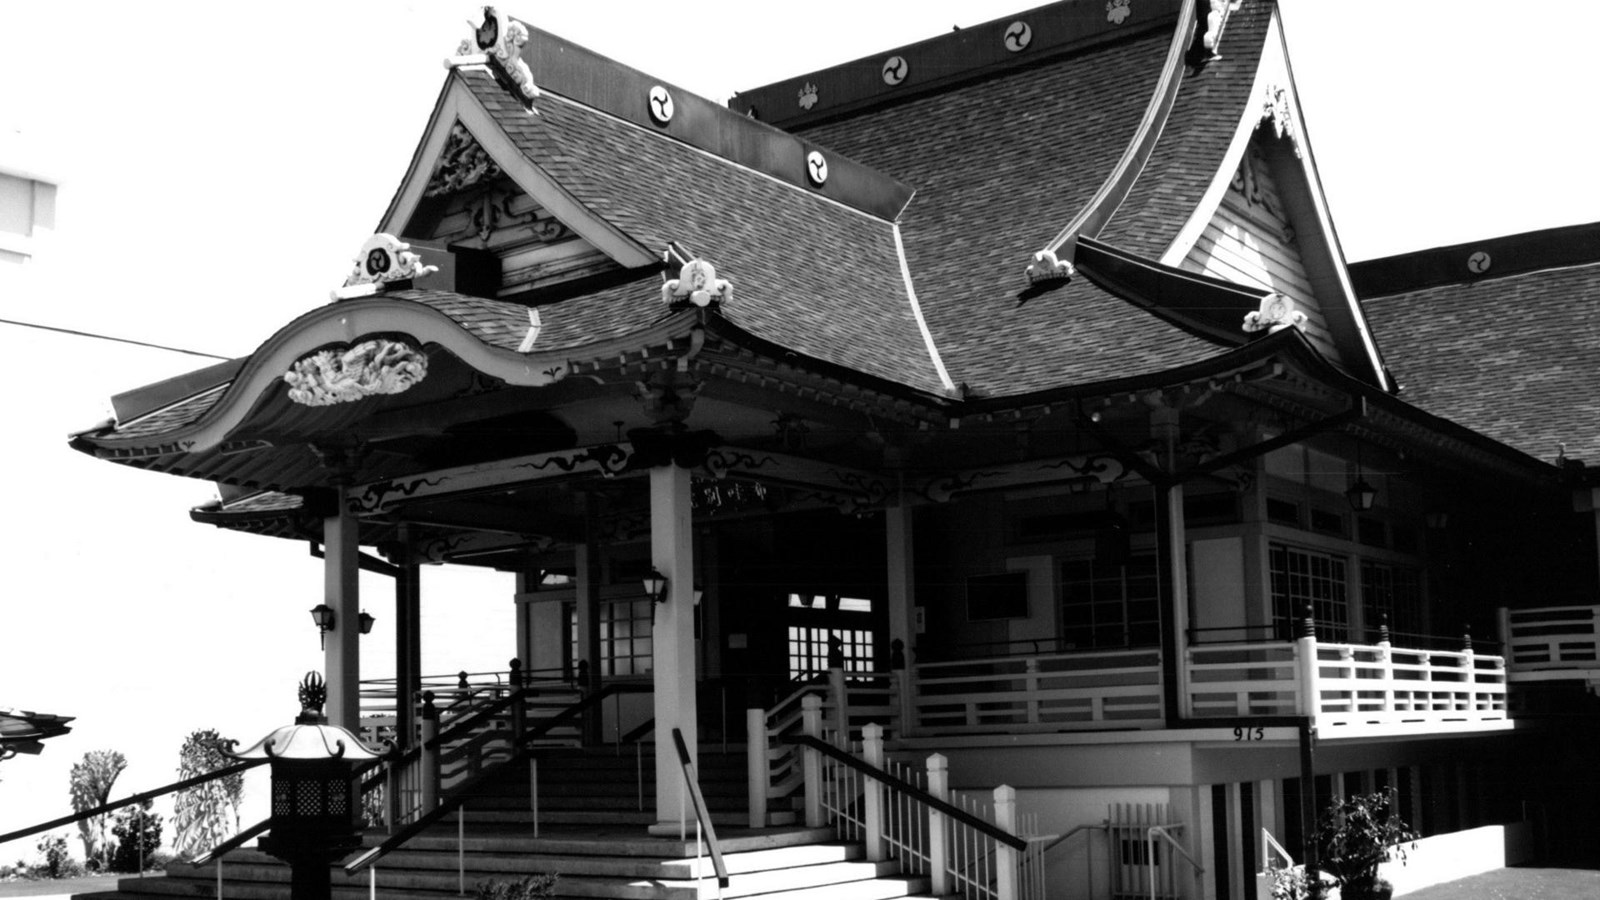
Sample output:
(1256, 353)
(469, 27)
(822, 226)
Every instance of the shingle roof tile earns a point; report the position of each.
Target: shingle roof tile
(811, 275)
(1515, 358)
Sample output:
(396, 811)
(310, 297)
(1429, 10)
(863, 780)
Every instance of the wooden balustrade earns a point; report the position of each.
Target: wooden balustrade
(1551, 638)
(1056, 692)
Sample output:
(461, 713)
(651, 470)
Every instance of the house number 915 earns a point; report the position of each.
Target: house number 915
(1249, 734)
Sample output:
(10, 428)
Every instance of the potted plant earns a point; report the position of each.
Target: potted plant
(1358, 835)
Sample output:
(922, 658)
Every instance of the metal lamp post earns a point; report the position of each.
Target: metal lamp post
(316, 808)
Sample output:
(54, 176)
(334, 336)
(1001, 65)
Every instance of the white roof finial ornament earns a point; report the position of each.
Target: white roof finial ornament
(1277, 312)
(697, 283)
(1047, 269)
(381, 260)
(500, 38)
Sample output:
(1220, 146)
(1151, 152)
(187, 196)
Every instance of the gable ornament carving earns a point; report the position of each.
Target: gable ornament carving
(379, 366)
(1277, 312)
(462, 163)
(1276, 109)
(1216, 21)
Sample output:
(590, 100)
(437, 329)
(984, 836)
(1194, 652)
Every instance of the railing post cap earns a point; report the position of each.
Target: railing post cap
(810, 701)
(1005, 793)
(872, 731)
(938, 761)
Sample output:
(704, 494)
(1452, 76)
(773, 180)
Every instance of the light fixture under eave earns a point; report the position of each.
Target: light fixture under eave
(655, 586)
(366, 621)
(322, 615)
(1360, 494)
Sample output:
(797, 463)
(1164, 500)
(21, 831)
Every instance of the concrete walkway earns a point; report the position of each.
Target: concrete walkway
(1517, 884)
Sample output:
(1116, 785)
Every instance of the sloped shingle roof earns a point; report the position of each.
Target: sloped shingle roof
(999, 166)
(809, 274)
(1514, 358)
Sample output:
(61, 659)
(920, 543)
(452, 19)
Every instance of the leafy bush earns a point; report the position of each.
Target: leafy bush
(138, 834)
(1358, 835)
(529, 888)
(1289, 883)
(55, 860)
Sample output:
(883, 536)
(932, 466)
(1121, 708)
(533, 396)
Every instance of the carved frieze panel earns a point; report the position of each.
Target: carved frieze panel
(462, 164)
(367, 369)
(1102, 469)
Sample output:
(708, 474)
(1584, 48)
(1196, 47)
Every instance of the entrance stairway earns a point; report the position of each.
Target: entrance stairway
(590, 832)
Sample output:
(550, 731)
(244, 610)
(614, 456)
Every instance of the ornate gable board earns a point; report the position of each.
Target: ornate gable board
(1273, 102)
(446, 157)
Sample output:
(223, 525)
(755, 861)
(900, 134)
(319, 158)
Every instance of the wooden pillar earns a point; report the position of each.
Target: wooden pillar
(341, 591)
(672, 554)
(407, 642)
(1172, 574)
(902, 592)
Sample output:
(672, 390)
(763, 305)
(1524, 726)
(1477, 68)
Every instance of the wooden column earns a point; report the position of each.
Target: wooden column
(902, 585)
(672, 554)
(341, 591)
(407, 642)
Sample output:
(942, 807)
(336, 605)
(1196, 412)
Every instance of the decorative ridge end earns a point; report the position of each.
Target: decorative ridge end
(499, 40)
(382, 259)
(697, 284)
(1277, 312)
(1048, 270)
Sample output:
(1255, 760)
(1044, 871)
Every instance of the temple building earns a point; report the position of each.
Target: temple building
(1008, 390)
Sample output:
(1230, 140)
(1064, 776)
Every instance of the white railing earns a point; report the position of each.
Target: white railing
(772, 766)
(912, 817)
(1551, 638)
(1056, 692)
(1340, 684)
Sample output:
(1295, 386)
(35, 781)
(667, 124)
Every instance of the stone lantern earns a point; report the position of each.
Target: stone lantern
(316, 804)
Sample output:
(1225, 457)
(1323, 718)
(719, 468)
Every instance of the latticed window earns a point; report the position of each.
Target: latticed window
(1301, 577)
(1110, 605)
(625, 646)
(1393, 591)
(809, 644)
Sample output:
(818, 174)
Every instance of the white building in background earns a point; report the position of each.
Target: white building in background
(27, 207)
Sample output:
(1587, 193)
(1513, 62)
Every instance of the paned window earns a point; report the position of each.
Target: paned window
(1108, 605)
(1301, 577)
(1395, 591)
(625, 645)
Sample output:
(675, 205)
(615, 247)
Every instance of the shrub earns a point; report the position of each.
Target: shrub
(55, 860)
(138, 834)
(529, 888)
(1358, 835)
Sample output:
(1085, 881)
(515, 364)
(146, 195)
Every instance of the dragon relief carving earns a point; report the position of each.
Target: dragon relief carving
(462, 163)
(378, 366)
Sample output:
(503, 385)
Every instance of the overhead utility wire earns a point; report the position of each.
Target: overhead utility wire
(107, 337)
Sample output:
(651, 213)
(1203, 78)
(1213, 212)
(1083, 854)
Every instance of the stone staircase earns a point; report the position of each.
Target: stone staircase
(590, 832)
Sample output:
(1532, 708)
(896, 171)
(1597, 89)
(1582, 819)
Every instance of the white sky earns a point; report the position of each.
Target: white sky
(222, 162)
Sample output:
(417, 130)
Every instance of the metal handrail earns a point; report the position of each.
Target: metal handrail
(1160, 831)
(700, 812)
(910, 790)
(231, 843)
(129, 801)
(463, 790)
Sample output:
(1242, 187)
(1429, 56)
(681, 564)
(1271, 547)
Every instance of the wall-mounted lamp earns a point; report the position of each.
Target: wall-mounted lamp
(1360, 494)
(655, 586)
(698, 593)
(322, 614)
(365, 622)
